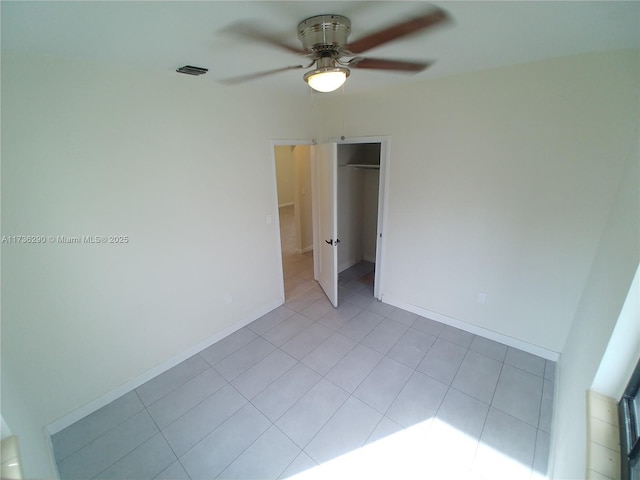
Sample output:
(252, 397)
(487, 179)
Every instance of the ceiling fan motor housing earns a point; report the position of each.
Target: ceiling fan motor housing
(324, 33)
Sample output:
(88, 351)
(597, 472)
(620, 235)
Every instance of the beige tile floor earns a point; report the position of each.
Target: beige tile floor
(297, 267)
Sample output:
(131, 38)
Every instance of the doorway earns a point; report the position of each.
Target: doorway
(337, 191)
(358, 185)
(293, 182)
(349, 215)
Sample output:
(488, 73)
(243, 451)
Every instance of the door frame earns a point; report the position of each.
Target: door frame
(274, 181)
(319, 258)
(383, 187)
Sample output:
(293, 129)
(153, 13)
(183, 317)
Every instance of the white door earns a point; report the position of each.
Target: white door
(325, 159)
(382, 183)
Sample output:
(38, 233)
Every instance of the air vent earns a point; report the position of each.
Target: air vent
(189, 70)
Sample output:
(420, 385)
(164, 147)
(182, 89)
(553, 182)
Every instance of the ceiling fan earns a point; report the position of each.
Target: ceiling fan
(324, 43)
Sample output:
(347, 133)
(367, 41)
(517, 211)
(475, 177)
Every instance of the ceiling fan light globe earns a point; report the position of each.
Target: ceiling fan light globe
(326, 79)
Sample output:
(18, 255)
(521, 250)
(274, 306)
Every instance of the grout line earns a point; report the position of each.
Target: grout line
(273, 381)
(134, 448)
(67, 457)
(323, 376)
(197, 404)
(367, 375)
(535, 450)
(291, 440)
(497, 383)
(327, 421)
(541, 404)
(377, 424)
(250, 444)
(178, 386)
(349, 395)
(291, 406)
(484, 424)
(340, 359)
(212, 365)
(216, 427)
(491, 405)
(167, 441)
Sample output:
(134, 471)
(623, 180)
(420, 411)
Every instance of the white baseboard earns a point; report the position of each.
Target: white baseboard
(51, 453)
(304, 250)
(367, 258)
(107, 398)
(348, 264)
(353, 261)
(483, 332)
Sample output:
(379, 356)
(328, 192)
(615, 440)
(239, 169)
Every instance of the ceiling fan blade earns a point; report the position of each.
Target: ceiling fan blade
(383, 64)
(253, 76)
(254, 33)
(399, 30)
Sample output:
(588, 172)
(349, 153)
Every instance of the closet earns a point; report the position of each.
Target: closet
(358, 190)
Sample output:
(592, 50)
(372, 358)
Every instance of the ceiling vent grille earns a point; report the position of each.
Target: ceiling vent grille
(190, 70)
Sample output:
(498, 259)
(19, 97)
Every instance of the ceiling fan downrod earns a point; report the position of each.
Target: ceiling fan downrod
(324, 33)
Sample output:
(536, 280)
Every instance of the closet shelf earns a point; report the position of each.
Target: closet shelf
(363, 165)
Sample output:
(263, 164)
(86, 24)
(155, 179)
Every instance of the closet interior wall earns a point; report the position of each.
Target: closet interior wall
(358, 190)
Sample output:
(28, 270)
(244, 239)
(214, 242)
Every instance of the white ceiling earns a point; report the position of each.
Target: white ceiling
(160, 36)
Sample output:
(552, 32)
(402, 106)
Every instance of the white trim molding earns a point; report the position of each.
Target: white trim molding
(109, 397)
(469, 327)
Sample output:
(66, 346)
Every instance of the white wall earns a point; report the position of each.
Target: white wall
(285, 173)
(181, 166)
(303, 198)
(350, 208)
(501, 182)
(623, 350)
(603, 297)
(5, 431)
(371, 190)
(293, 173)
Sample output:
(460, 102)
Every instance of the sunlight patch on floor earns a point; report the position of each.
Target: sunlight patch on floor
(400, 455)
(431, 449)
